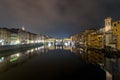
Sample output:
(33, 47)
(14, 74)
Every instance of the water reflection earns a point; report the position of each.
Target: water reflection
(90, 56)
(2, 59)
(110, 65)
(15, 59)
(93, 57)
(7, 62)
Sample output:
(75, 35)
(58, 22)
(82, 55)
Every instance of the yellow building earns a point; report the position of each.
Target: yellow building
(81, 38)
(95, 40)
(116, 32)
(86, 37)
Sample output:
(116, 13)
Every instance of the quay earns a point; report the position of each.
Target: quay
(7, 48)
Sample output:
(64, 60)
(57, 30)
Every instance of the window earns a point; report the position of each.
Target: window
(118, 22)
(108, 23)
(115, 24)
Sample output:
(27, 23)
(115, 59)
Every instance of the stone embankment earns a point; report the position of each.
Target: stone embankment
(18, 47)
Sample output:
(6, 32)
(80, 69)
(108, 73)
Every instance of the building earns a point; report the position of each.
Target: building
(116, 33)
(81, 39)
(86, 38)
(40, 38)
(26, 37)
(95, 40)
(4, 36)
(14, 38)
(108, 24)
(75, 39)
(23, 36)
(32, 37)
(108, 36)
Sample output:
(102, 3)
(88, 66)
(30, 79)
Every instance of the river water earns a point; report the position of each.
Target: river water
(58, 63)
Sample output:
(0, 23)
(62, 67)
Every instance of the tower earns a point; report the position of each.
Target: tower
(108, 24)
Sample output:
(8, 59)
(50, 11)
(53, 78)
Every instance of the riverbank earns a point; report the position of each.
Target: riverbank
(17, 48)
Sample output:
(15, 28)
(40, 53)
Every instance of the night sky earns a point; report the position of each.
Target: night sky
(57, 18)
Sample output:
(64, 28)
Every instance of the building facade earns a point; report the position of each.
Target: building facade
(16, 36)
(95, 40)
(106, 37)
(116, 33)
(4, 36)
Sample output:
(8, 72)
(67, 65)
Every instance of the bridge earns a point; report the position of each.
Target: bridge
(54, 41)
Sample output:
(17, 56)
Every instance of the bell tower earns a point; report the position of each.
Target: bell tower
(108, 24)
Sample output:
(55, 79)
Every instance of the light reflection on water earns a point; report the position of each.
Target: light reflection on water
(6, 62)
(110, 65)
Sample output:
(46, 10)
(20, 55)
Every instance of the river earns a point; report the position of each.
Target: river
(59, 63)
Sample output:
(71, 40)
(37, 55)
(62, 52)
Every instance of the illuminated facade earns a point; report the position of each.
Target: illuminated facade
(23, 36)
(106, 37)
(27, 37)
(116, 32)
(4, 36)
(75, 39)
(81, 38)
(95, 40)
(86, 38)
(108, 25)
(32, 37)
(16, 36)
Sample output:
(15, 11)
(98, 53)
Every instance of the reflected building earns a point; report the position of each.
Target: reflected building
(94, 57)
(67, 47)
(75, 50)
(112, 65)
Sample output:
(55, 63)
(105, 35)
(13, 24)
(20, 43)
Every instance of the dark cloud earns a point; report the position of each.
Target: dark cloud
(57, 16)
